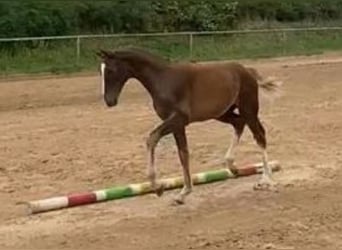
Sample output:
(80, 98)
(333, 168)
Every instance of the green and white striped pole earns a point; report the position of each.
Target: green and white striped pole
(130, 190)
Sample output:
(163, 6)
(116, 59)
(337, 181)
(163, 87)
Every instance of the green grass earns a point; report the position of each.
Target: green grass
(60, 56)
(265, 45)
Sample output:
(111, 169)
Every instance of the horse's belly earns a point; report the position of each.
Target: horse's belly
(212, 95)
(210, 109)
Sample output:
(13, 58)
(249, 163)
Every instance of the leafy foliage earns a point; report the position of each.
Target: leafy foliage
(45, 18)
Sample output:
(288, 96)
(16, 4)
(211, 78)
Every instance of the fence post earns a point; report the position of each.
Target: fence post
(78, 49)
(191, 44)
(284, 38)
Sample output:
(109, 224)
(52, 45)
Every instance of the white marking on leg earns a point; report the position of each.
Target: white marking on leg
(180, 198)
(267, 170)
(103, 67)
(187, 181)
(187, 187)
(229, 156)
(266, 181)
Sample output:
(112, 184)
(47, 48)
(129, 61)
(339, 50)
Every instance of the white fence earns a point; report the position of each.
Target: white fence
(190, 35)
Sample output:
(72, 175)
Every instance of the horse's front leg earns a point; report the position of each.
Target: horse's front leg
(168, 126)
(183, 153)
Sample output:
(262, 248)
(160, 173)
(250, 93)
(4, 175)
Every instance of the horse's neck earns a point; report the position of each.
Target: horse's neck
(148, 75)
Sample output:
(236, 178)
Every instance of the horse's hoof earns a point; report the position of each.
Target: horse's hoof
(229, 163)
(268, 185)
(178, 201)
(159, 191)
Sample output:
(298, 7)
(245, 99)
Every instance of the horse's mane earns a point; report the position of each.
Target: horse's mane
(139, 55)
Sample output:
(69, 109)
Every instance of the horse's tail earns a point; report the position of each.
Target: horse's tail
(270, 86)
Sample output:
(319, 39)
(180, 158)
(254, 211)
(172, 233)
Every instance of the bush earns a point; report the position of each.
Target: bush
(50, 18)
(290, 10)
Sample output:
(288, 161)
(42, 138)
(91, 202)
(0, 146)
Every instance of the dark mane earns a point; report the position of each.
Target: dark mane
(139, 55)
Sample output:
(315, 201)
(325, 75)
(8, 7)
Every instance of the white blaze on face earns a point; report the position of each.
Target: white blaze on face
(103, 67)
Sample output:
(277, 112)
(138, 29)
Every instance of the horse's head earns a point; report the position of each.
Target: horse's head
(114, 74)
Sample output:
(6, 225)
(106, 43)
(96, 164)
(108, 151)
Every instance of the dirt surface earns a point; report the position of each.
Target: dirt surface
(57, 137)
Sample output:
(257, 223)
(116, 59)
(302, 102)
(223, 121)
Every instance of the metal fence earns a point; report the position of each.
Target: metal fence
(191, 41)
(78, 38)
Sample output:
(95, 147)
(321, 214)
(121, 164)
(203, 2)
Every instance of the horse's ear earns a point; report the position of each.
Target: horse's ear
(99, 54)
(103, 54)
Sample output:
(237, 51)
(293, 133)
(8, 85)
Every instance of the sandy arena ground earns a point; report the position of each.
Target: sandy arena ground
(57, 136)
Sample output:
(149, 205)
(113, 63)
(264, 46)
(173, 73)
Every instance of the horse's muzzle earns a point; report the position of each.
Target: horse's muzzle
(111, 102)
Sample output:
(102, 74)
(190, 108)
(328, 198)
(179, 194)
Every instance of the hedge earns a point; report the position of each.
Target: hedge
(50, 18)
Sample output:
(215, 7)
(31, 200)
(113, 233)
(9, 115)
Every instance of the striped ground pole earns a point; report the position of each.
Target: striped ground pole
(119, 192)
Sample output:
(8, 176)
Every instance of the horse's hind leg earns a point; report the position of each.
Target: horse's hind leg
(259, 134)
(238, 123)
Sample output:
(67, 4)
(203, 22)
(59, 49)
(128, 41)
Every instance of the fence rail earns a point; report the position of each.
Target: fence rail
(189, 39)
(189, 33)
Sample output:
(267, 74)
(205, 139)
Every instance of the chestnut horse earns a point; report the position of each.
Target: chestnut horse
(184, 93)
